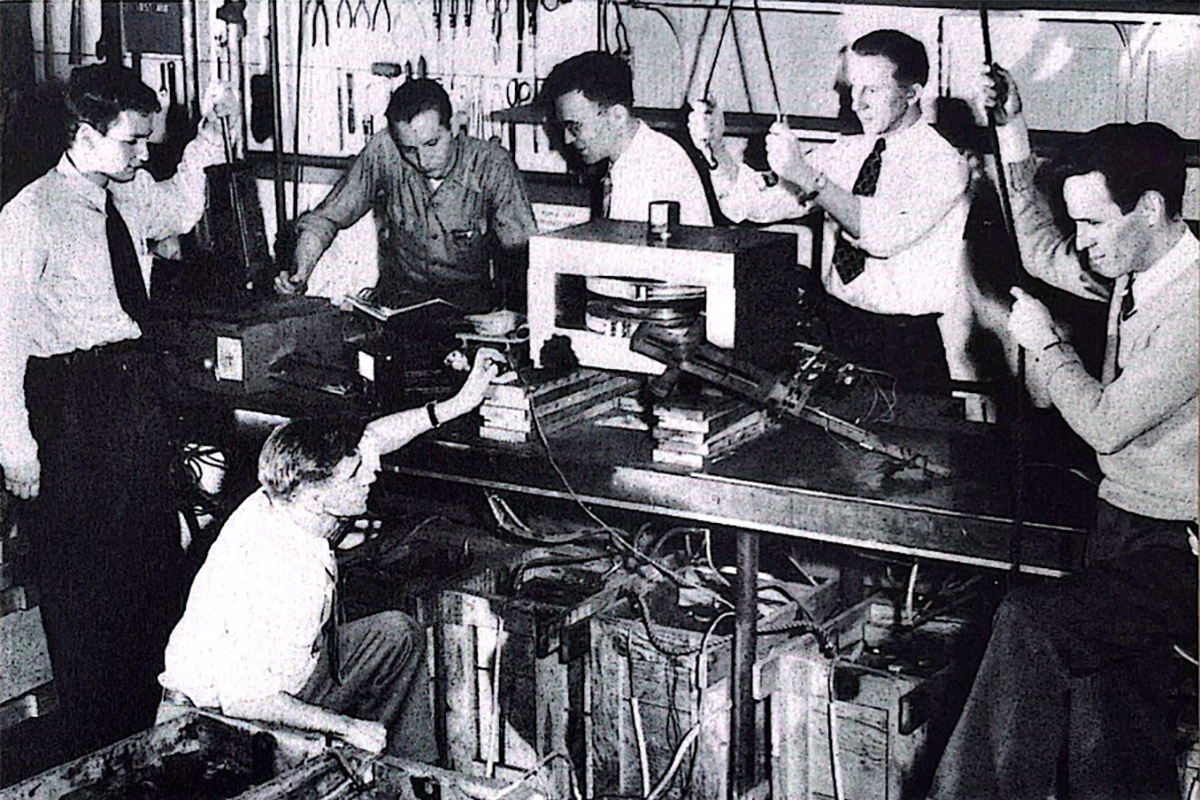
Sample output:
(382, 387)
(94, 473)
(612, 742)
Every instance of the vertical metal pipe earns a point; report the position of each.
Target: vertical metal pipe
(235, 35)
(742, 756)
(47, 41)
(277, 108)
(191, 61)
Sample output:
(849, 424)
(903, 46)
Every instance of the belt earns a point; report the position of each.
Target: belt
(95, 355)
(174, 697)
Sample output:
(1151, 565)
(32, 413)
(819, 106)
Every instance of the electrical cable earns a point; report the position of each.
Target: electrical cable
(618, 537)
(835, 758)
(493, 747)
(639, 732)
(708, 556)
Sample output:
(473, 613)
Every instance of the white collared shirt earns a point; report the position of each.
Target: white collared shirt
(655, 167)
(911, 228)
(253, 623)
(56, 284)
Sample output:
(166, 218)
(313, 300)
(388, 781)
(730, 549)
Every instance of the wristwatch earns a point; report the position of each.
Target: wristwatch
(818, 187)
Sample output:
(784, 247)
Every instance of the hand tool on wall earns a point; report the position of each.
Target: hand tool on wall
(497, 8)
(172, 91)
(531, 20)
(408, 71)
(76, 54)
(437, 17)
(422, 68)
(351, 127)
(468, 13)
(520, 35)
(352, 13)
(382, 5)
(386, 69)
(453, 19)
(320, 12)
(517, 93)
(341, 105)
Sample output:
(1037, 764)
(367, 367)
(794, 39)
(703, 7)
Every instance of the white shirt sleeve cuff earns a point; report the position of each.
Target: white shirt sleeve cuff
(1014, 140)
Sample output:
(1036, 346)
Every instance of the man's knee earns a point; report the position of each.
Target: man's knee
(396, 630)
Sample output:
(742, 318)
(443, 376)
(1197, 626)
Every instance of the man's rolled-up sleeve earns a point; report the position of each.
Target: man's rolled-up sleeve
(512, 214)
(172, 206)
(349, 200)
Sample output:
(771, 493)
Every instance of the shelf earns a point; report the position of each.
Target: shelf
(1098, 8)
(746, 124)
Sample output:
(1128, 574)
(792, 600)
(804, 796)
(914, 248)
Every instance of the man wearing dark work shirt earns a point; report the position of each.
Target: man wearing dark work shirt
(451, 212)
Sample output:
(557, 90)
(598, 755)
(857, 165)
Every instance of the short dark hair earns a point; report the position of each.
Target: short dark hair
(97, 94)
(415, 97)
(305, 451)
(905, 52)
(1133, 159)
(601, 77)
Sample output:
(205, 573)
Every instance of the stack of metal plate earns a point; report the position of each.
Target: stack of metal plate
(616, 306)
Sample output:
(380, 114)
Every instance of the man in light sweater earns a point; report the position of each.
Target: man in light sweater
(1077, 671)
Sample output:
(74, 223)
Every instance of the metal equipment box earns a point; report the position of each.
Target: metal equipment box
(233, 351)
(749, 280)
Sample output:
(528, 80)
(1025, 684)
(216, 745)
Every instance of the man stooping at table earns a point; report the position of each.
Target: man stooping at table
(82, 428)
(1076, 679)
(591, 97)
(895, 204)
(260, 639)
(449, 210)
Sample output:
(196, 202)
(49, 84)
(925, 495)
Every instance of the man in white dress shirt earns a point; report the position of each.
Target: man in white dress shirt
(895, 204)
(83, 433)
(592, 98)
(260, 640)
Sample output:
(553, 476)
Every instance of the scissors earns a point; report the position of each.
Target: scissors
(497, 8)
(519, 91)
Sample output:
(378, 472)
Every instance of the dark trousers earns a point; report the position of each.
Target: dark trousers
(1072, 693)
(104, 537)
(910, 348)
(384, 679)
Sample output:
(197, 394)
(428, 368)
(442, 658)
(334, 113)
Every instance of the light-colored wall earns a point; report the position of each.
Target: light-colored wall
(1077, 70)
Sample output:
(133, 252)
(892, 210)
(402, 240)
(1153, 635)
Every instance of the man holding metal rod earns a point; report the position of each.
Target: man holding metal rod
(83, 431)
(895, 204)
(1077, 676)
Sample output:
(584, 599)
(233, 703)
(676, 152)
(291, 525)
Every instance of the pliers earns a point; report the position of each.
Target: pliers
(381, 5)
(319, 8)
(352, 13)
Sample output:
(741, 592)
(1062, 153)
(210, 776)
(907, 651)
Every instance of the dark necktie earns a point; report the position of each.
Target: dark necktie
(606, 194)
(333, 642)
(848, 260)
(127, 272)
(1127, 307)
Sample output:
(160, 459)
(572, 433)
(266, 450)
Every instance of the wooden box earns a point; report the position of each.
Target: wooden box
(201, 757)
(874, 740)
